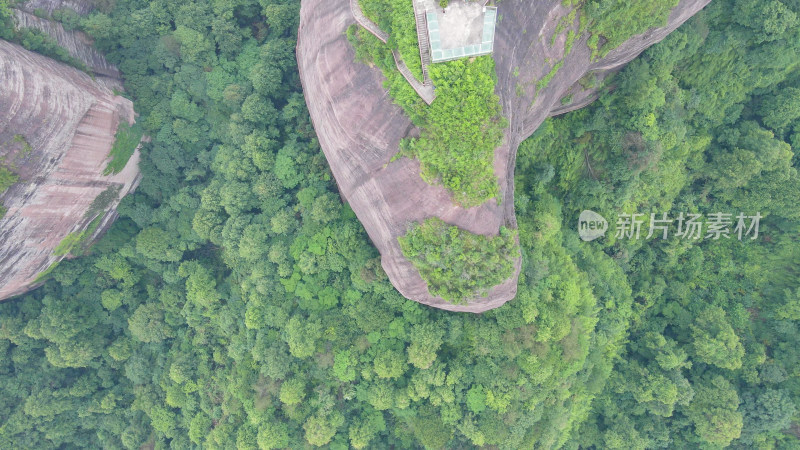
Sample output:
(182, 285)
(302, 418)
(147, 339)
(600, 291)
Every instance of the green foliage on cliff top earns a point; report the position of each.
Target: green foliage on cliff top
(617, 20)
(396, 17)
(612, 22)
(36, 41)
(456, 264)
(461, 128)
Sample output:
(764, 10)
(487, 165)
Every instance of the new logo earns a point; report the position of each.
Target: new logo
(591, 225)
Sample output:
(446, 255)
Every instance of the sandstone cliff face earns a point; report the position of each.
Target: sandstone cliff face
(67, 123)
(359, 128)
(77, 43)
(48, 6)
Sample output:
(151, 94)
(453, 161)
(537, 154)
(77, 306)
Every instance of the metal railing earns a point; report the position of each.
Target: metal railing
(368, 25)
(425, 91)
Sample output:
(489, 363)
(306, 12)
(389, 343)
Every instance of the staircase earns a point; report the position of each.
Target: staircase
(368, 25)
(422, 39)
(425, 91)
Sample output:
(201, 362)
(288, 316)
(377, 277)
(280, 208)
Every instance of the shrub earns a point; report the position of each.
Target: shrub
(456, 264)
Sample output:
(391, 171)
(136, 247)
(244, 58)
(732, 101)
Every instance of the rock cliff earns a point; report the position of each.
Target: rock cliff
(77, 43)
(359, 127)
(48, 6)
(57, 126)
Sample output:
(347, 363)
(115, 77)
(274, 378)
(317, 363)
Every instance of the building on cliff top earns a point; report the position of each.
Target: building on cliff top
(463, 29)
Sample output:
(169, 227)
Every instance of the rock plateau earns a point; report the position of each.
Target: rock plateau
(359, 127)
(57, 125)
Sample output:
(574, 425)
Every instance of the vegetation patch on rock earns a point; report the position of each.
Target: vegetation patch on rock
(396, 17)
(456, 264)
(125, 143)
(460, 129)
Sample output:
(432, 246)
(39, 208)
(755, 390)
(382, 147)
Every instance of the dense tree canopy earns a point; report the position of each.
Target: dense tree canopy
(238, 303)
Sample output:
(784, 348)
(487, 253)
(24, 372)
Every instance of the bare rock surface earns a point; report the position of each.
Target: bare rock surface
(359, 127)
(79, 6)
(57, 126)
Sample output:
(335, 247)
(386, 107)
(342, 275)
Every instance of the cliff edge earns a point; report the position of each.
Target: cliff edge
(359, 127)
(57, 126)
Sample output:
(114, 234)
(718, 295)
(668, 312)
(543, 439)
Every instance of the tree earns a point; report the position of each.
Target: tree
(72, 328)
(791, 309)
(342, 367)
(200, 284)
(429, 429)
(258, 109)
(272, 434)
(770, 411)
(182, 107)
(302, 337)
(247, 437)
(195, 47)
(714, 411)
(325, 208)
(380, 395)
(389, 364)
(199, 426)
(280, 17)
(98, 26)
(254, 243)
(5, 12)
(365, 428)
(714, 340)
(476, 399)
(283, 221)
(226, 35)
(624, 435)
(146, 324)
(293, 391)
(321, 427)
(779, 110)
(162, 419)
(769, 20)
(112, 299)
(118, 268)
(157, 244)
(425, 341)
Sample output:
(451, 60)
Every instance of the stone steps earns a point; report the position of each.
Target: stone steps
(424, 45)
(425, 91)
(425, 88)
(367, 24)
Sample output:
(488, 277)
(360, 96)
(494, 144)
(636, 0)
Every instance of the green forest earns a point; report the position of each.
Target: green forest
(238, 303)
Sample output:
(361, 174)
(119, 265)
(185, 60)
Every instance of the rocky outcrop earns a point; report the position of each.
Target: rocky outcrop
(359, 127)
(57, 126)
(77, 43)
(48, 6)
